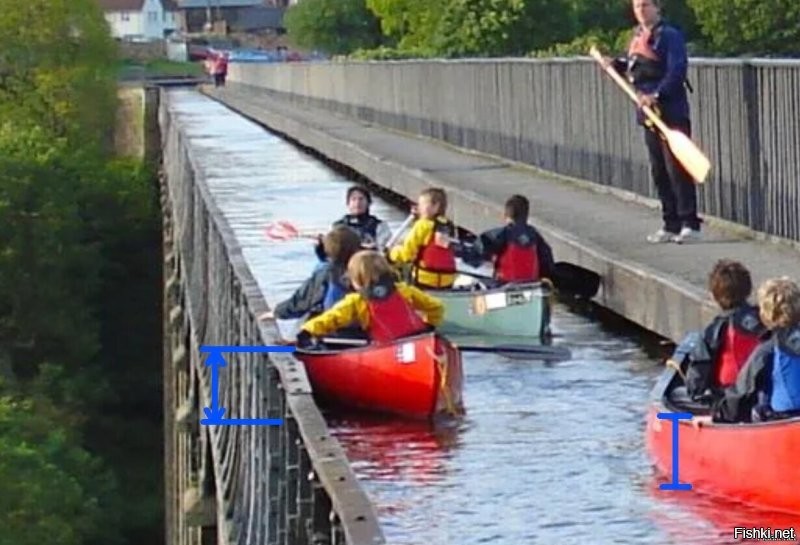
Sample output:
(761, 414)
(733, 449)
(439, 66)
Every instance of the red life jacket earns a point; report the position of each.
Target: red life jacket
(519, 261)
(390, 315)
(742, 335)
(641, 44)
(438, 256)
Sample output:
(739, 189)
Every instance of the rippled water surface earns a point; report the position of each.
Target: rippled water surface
(547, 453)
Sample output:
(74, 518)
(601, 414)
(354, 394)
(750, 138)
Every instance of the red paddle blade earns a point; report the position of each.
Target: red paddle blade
(281, 230)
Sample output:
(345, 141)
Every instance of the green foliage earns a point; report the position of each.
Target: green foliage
(599, 16)
(79, 291)
(749, 26)
(53, 491)
(159, 68)
(479, 27)
(384, 53)
(333, 26)
(457, 28)
(57, 68)
(411, 24)
(609, 42)
(47, 272)
(79, 286)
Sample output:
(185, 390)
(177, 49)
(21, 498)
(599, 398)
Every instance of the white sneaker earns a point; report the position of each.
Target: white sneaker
(687, 235)
(660, 236)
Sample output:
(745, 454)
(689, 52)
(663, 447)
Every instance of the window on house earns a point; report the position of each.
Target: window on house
(125, 16)
(152, 16)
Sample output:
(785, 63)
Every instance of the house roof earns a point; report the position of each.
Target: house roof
(121, 5)
(183, 4)
(257, 18)
(170, 5)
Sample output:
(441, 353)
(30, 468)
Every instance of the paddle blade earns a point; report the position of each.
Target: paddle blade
(283, 231)
(688, 155)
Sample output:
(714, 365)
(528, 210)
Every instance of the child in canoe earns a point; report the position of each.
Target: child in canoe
(374, 232)
(385, 308)
(428, 247)
(519, 251)
(731, 336)
(768, 386)
(328, 284)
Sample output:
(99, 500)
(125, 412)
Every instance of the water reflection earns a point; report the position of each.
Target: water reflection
(397, 451)
(717, 516)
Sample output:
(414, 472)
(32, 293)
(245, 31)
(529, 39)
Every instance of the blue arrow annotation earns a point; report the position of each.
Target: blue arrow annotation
(676, 484)
(215, 360)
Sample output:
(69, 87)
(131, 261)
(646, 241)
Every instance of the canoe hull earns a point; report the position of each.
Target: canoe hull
(420, 377)
(518, 310)
(755, 464)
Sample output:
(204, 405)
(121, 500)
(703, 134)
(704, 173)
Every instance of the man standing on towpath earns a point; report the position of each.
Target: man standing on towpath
(656, 64)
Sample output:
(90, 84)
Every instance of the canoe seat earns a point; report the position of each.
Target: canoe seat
(680, 399)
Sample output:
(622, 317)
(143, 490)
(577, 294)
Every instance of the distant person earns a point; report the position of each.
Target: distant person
(220, 69)
(656, 64)
(520, 253)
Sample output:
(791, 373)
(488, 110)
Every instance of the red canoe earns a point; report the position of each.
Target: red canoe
(417, 377)
(756, 464)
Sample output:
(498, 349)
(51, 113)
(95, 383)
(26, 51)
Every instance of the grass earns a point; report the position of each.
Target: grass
(160, 68)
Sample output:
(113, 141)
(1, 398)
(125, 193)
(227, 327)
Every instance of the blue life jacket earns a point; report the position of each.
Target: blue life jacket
(785, 391)
(334, 290)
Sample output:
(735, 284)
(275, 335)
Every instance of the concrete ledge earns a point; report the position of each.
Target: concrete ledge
(659, 300)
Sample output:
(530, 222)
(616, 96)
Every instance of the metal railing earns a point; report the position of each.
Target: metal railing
(564, 116)
(244, 485)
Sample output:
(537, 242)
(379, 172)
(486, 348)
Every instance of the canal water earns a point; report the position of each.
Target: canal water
(546, 454)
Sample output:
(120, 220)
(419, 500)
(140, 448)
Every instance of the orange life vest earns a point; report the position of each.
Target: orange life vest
(742, 335)
(437, 257)
(519, 261)
(644, 64)
(641, 44)
(390, 315)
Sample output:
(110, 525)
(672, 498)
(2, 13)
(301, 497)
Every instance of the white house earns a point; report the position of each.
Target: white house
(140, 20)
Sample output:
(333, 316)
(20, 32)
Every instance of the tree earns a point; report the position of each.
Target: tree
(479, 27)
(457, 28)
(48, 274)
(59, 72)
(334, 26)
(411, 24)
(749, 26)
(53, 491)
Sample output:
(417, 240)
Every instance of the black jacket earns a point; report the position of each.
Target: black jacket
(493, 242)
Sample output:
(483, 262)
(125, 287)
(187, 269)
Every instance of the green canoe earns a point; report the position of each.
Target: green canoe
(514, 309)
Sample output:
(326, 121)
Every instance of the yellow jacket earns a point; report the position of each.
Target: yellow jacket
(419, 237)
(354, 308)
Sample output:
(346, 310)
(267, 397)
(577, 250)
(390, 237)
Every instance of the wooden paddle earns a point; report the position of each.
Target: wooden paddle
(685, 151)
(283, 230)
(400, 230)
